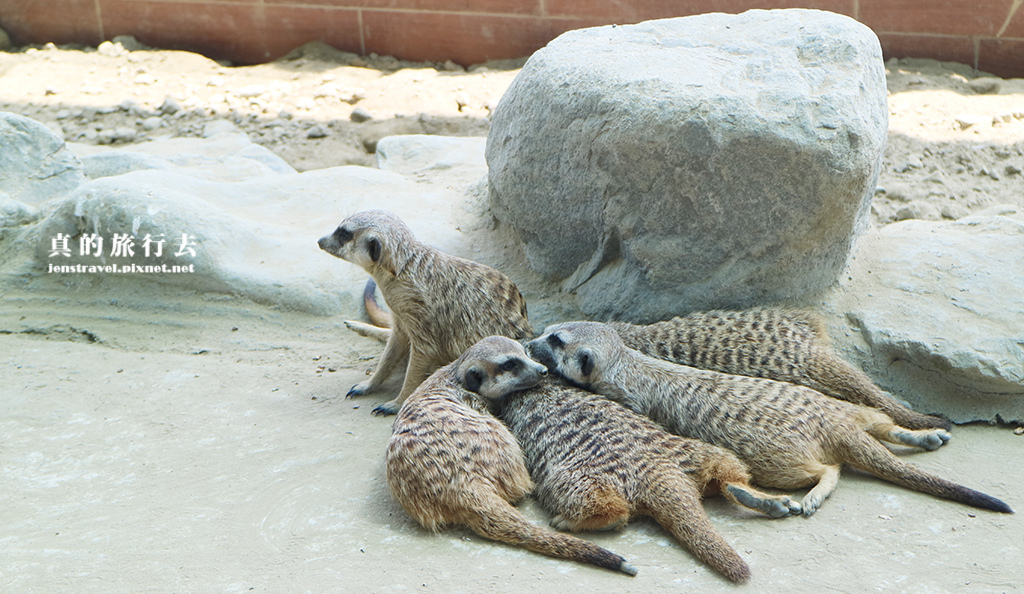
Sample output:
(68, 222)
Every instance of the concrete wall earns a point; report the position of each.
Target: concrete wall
(987, 34)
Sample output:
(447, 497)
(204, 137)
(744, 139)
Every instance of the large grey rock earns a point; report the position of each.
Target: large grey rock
(708, 161)
(934, 312)
(35, 164)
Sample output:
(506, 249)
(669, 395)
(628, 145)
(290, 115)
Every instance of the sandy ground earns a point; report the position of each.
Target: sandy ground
(187, 443)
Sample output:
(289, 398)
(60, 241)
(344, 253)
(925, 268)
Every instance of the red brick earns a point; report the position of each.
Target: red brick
(242, 33)
(945, 49)
(465, 39)
(1003, 57)
(59, 21)
(947, 17)
(516, 7)
(643, 10)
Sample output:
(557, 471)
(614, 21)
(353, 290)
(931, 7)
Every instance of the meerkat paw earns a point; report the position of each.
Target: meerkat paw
(773, 507)
(927, 439)
(359, 389)
(386, 409)
(368, 330)
(810, 504)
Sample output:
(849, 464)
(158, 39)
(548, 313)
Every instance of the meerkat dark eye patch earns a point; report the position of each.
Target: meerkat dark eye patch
(510, 365)
(473, 380)
(373, 246)
(586, 361)
(555, 341)
(342, 235)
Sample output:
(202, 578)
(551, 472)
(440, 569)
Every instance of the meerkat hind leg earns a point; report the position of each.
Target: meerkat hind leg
(828, 478)
(773, 506)
(602, 508)
(926, 439)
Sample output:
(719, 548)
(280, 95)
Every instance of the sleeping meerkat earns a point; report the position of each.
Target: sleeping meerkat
(440, 304)
(783, 345)
(789, 436)
(449, 462)
(597, 464)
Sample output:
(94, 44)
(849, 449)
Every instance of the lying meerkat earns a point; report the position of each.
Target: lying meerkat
(440, 304)
(450, 462)
(783, 345)
(597, 464)
(789, 436)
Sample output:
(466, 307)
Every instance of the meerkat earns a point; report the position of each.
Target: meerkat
(440, 304)
(784, 345)
(597, 464)
(789, 436)
(450, 462)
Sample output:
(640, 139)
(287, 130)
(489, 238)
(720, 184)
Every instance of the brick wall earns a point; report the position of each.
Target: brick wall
(987, 34)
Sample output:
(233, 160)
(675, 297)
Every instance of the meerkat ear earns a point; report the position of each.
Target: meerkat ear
(473, 379)
(373, 246)
(586, 361)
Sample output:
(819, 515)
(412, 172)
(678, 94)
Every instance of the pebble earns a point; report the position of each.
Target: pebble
(145, 79)
(152, 123)
(360, 115)
(170, 106)
(1013, 170)
(111, 50)
(918, 210)
(316, 132)
(1018, 431)
(63, 114)
(1003, 118)
(967, 120)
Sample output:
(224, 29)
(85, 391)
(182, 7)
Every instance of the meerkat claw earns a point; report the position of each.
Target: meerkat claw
(384, 410)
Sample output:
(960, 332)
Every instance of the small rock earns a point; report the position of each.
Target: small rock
(1018, 431)
(124, 134)
(250, 91)
(991, 173)
(63, 114)
(1003, 118)
(316, 132)
(967, 121)
(129, 105)
(111, 50)
(215, 81)
(218, 127)
(918, 209)
(450, 66)
(360, 115)
(152, 123)
(305, 103)
(1012, 170)
(129, 43)
(986, 85)
(170, 106)
(357, 62)
(145, 79)
(106, 137)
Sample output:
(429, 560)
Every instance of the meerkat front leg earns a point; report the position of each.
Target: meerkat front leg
(395, 352)
(420, 367)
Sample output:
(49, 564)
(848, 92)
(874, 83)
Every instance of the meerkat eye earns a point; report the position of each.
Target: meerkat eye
(510, 365)
(342, 235)
(555, 341)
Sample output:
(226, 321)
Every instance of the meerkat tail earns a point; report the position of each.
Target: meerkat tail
(682, 514)
(871, 456)
(838, 378)
(378, 316)
(504, 523)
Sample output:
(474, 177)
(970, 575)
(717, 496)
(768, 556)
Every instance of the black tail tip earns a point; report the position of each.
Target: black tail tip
(991, 503)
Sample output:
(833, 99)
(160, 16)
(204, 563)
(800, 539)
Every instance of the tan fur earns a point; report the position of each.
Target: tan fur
(779, 344)
(440, 304)
(597, 464)
(789, 436)
(449, 462)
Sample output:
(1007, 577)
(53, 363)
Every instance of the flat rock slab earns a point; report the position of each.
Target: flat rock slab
(681, 164)
(936, 315)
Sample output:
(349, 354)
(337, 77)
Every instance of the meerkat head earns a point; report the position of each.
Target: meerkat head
(577, 351)
(372, 239)
(497, 366)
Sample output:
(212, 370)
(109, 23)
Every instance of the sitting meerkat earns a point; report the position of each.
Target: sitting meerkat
(597, 464)
(440, 304)
(783, 345)
(449, 462)
(789, 436)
